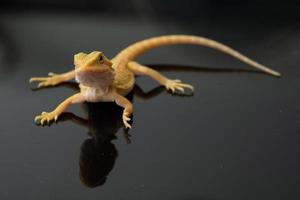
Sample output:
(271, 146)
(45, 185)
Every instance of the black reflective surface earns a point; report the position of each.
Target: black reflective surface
(237, 137)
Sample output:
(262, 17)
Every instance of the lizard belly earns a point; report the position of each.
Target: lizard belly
(95, 94)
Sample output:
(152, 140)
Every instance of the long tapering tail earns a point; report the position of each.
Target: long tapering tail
(141, 47)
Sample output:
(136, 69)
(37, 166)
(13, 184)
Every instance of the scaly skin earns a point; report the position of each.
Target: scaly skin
(101, 79)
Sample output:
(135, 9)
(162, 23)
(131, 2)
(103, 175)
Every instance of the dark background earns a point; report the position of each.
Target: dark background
(236, 138)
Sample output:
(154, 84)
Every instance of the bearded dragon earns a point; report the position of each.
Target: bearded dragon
(103, 80)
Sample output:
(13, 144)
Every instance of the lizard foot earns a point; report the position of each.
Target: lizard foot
(126, 119)
(177, 85)
(46, 117)
(51, 80)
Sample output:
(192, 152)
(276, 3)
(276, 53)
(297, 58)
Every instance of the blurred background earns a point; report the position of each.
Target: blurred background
(169, 9)
(249, 23)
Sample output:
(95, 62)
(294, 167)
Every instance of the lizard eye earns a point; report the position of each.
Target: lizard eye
(101, 58)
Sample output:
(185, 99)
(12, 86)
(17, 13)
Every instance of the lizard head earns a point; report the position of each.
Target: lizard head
(93, 69)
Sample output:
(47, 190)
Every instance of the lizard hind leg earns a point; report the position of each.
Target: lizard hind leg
(171, 85)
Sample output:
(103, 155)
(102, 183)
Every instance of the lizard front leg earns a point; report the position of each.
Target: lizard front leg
(47, 117)
(173, 85)
(53, 79)
(128, 108)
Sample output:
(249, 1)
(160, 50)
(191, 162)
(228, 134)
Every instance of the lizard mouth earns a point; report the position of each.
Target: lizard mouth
(92, 69)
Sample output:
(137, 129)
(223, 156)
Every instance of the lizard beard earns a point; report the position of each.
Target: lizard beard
(96, 80)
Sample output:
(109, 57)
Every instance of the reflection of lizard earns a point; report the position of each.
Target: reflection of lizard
(102, 79)
(98, 153)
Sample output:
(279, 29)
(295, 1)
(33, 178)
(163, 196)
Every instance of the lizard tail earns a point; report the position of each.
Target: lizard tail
(143, 46)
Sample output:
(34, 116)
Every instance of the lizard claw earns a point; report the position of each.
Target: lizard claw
(126, 120)
(46, 118)
(177, 85)
(52, 74)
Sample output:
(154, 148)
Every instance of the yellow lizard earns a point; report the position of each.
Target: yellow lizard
(101, 79)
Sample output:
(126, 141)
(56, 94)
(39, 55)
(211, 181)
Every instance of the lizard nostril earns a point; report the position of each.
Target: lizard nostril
(101, 58)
